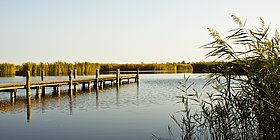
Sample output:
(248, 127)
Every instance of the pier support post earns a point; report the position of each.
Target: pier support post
(58, 90)
(43, 79)
(70, 82)
(83, 86)
(97, 78)
(55, 90)
(101, 84)
(28, 111)
(38, 93)
(137, 76)
(13, 96)
(89, 88)
(76, 84)
(28, 94)
(75, 73)
(118, 77)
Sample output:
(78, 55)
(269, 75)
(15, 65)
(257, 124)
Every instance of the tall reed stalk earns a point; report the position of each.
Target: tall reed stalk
(245, 104)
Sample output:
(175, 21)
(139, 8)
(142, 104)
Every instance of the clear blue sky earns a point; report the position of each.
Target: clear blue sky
(120, 31)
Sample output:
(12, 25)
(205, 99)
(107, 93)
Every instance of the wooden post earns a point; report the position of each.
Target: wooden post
(28, 94)
(76, 84)
(75, 73)
(97, 78)
(28, 111)
(38, 95)
(83, 86)
(28, 97)
(70, 82)
(101, 84)
(42, 75)
(54, 90)
(58, 90)
(13, 96)
(43, 79)
(137, 76)
(118, 77)
(89, 88)
(76, 87)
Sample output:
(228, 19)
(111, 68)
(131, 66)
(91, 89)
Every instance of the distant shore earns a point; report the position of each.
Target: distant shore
(60, 68)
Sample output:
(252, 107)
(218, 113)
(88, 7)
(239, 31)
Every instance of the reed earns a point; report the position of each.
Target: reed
(243, 105)
(169, 67)
(7, 69)
(60, 68)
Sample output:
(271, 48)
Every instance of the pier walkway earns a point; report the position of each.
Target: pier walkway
(97, 82)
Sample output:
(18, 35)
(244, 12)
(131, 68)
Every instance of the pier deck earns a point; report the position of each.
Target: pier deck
(96, 82)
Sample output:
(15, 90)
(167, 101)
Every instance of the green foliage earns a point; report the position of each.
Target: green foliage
(216, 67)
(245, 104)
(164, 67)
(7, 69)
(58, 68)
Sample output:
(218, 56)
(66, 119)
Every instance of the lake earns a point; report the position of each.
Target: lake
(134, 111)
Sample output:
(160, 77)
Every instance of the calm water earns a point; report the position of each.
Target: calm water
(133, 112)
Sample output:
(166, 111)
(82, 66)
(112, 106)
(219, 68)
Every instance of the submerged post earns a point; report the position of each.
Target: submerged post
(43, 79)
(97, 78)
(28, 111)
(13, 95)
(137, 76)
(58, 90)
(28, 95)
(42, 75)
(70, 81)
(75, 77)
(38, 95)
(118, 77)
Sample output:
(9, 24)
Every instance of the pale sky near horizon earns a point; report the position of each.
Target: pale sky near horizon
(120, 31)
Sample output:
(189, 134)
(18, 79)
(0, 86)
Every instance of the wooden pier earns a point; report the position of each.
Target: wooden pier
(96, 82)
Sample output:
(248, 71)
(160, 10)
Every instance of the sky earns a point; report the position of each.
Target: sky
(120, 31)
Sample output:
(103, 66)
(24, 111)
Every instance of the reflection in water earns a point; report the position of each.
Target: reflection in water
(96, 98)
(117, 96)
(43, 105)
(130, 112)
(137, 95)
(28, 107)
(71, 103)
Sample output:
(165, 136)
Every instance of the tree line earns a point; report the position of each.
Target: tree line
(60, 68)
(7, 69)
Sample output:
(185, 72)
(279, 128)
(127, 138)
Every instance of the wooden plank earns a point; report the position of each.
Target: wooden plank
(50, 83)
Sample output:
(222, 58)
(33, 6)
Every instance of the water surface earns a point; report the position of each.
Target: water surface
(134, 111)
